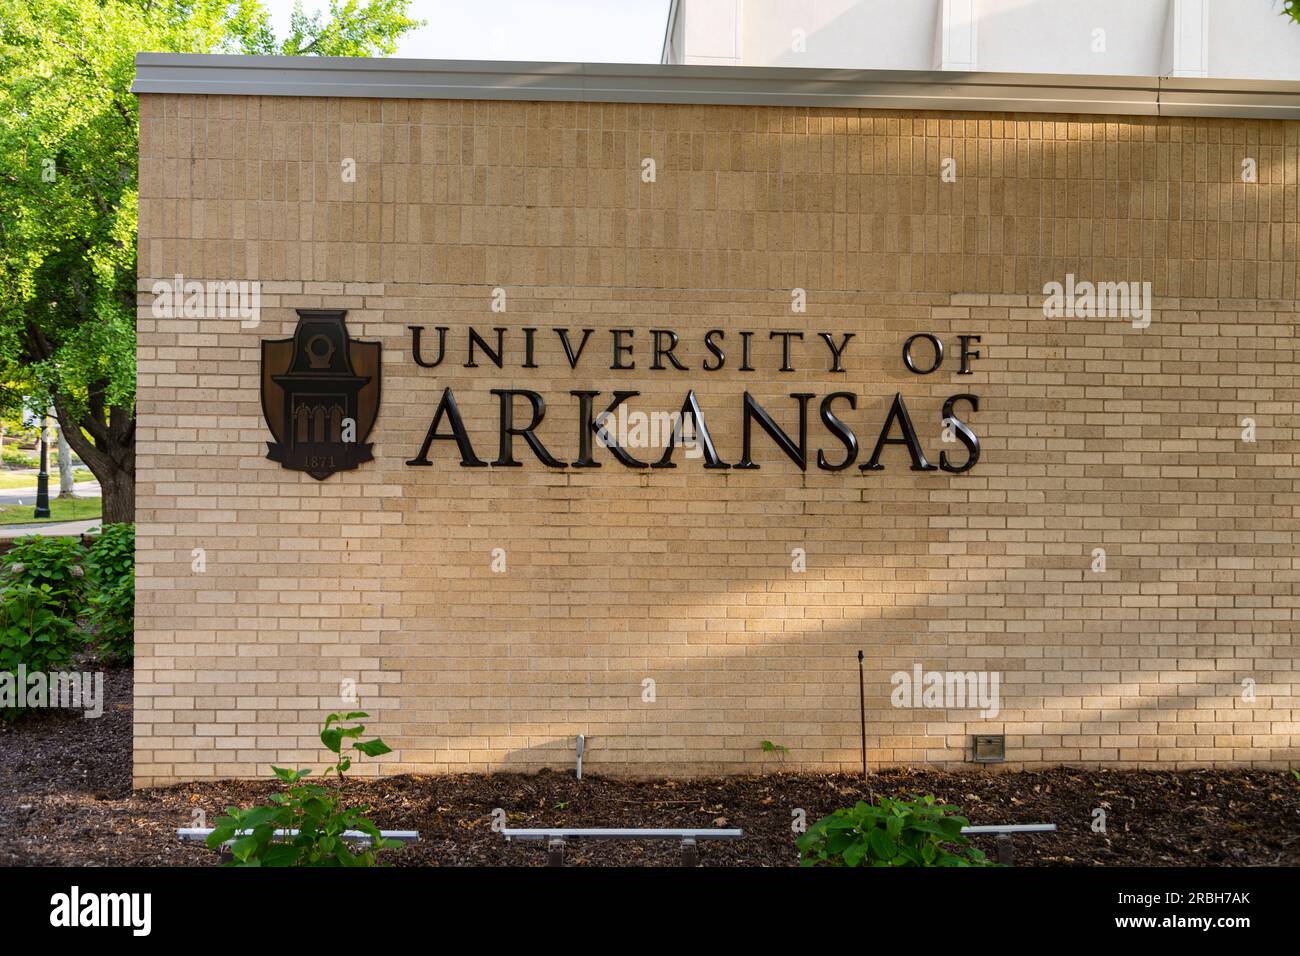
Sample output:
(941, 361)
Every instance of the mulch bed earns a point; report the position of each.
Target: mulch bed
(65, 798)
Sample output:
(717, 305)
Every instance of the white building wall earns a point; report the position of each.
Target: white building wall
(710, 33)
(1246, 39)
(851, 33)
(1116, 37)
(1247, 43)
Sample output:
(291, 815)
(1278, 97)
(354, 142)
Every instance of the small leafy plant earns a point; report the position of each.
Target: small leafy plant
(771, 748)
(110, 558)
(111, 612)
(34, 632)
(891, 832)
(52, 560)
(314, 810)
(111, 618)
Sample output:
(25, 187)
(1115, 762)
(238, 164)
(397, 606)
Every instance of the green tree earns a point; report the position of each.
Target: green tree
(69, 134)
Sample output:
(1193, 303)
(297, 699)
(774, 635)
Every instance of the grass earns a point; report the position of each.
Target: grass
(29, 481)
(61, 509)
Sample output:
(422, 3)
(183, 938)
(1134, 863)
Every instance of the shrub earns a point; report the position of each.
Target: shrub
(111, 613)
(111, 555)
(111, 619)
(891, 832)
(34, 632)
(17, 459)
(48, 561)
(316, 811)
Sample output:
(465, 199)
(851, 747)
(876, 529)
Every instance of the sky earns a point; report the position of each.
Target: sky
(585, 31)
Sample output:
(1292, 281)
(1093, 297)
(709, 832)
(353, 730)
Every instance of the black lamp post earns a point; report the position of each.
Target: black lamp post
(43, 476)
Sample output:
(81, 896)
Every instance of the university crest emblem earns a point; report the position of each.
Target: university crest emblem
(320, 395)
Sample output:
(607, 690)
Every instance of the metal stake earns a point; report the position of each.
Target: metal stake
(862, 713)
(1006, 852)
(555, 853)
(690, 853)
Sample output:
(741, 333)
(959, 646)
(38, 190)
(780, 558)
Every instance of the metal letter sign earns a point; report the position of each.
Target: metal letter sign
(312, 385)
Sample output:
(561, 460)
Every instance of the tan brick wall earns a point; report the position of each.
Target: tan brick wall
(1095, 434)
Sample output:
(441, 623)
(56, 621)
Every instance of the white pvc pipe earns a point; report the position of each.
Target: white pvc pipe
(605, 833)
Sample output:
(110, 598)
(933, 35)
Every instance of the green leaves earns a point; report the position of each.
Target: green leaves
(56, 561)
(54, 596)
(373, 748)
(69, 188)
(333, 737)
(882, 846)
(110, 565)
(42, 593)
(890, 832)
(68, 134)
(314, 810)
(353, 28)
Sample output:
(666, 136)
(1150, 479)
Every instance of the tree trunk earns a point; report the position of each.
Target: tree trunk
(103, 435)
(65, 466)
(109, 454)
(119, 498)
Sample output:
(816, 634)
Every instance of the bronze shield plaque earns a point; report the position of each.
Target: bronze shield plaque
(320, 395)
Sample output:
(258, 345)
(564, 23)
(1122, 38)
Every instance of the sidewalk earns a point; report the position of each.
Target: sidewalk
(11, 531)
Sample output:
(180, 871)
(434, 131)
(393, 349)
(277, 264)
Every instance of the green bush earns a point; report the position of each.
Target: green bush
(111, 555)
(94, 585)
(891, 832)
(316, 811)
(49, 561)
(18, 459)
(111, 620)
(111, 611)
(34, 632)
